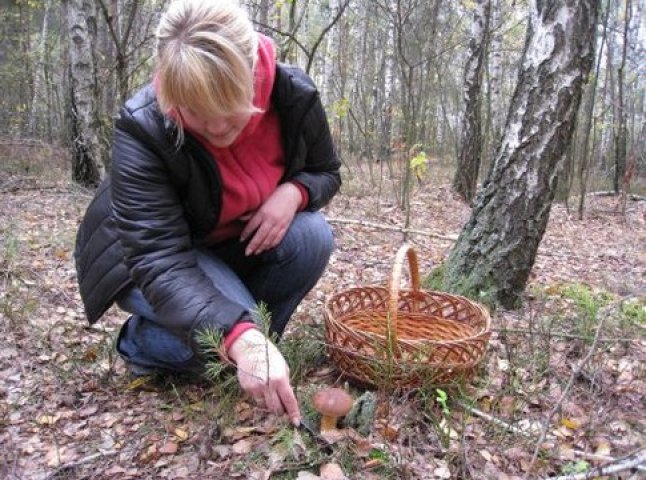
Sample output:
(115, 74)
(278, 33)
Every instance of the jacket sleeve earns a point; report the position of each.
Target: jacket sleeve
(320, 174)
(158, 246)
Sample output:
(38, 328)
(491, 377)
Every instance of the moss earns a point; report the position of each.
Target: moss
(482, 291)
(435, 279)
(634, 311)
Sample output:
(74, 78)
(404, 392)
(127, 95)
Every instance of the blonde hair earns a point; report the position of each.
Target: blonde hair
(205, 56)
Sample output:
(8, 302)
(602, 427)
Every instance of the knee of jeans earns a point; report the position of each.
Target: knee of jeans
(309, 237)
(317, 234)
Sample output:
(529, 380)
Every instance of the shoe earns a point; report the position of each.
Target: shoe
(137, 371)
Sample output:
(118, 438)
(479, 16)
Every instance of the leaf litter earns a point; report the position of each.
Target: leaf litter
(66, 400)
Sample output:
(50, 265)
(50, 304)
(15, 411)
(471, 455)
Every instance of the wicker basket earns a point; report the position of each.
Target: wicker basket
(389, 337)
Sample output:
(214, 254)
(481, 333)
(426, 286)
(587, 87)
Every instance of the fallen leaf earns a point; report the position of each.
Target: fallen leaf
(331, 471)
(333, 436)
(486, 455)
(242, 447)
(372, 463)
(149, 455)
(602, 448)
(47, 419)
(138, 382)
(570, 423)
(442, 472)
(180, 434)
(169, 448)
(304, 475)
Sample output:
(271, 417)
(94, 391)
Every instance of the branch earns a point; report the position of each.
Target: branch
(323, 33)
(575, 373)
(131, 21)
(496, 421)
(108, 19)
(81, 462)
(395, 228)
(526, 433)
(289, 35)
(564, 335)
(635, 460)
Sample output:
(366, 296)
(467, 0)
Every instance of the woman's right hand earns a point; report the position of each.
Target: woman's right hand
(264, 374)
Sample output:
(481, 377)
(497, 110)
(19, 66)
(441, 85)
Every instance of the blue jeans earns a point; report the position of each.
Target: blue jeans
(279, 277)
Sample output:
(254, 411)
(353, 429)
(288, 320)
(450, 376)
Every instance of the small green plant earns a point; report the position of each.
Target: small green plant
(634, 312)
(303, 350)
(442, 398)
(575, 467)
(419, 164)
(210, 342)
(588, 303)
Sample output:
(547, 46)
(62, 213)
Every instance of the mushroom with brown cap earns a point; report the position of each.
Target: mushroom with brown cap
(331, 403)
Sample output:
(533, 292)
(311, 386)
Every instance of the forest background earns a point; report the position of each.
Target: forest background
(420, 97)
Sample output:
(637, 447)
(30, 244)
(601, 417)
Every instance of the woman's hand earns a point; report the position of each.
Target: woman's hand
(268, 225)
(264, 374)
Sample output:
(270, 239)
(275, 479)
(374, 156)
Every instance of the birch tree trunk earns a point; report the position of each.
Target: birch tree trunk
(39, 99)
(621, 135)
(497, 247)
(87, 164)
(587, 127)
(465, 180)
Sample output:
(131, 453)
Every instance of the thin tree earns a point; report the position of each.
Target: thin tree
(87, 162)
(621, 133)
(38, 106)
(584, 163)
(496, 249)
(465, 180)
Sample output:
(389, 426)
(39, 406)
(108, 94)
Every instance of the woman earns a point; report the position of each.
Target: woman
(219, 167)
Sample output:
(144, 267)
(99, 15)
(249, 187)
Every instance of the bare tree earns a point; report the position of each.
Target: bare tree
(465, 180)
(497, 247)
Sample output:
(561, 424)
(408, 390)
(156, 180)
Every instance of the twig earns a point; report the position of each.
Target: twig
(81, 462)
(565, 335)
(380, 226)
(633, 196)
(634, 460)
(566, 390)
(496, 421)
(526, 433)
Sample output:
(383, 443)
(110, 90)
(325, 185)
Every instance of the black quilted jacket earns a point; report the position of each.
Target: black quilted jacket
(161, 200)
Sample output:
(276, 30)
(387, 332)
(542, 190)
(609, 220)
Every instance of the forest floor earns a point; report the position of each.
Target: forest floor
(560, 391)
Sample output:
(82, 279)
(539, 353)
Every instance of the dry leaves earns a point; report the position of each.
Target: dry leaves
(64, 398)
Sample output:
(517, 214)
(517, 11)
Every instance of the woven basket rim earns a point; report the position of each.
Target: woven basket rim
(485, 330)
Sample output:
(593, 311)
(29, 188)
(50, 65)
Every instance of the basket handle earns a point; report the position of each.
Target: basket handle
(393, 302)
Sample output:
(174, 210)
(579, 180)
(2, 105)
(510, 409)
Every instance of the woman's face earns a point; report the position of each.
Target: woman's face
(220, 130)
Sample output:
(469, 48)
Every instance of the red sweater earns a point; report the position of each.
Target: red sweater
(251, 167)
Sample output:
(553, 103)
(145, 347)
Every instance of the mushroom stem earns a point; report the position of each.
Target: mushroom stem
(328, 422)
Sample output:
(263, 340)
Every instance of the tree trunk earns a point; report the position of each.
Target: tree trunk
(496, 249)
(621, 134)
(87, 164)
(38, 102)
(465, 180)
(584, 162)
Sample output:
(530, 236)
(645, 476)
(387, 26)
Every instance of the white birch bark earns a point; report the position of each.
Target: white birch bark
(497, 247)
(39, 98)
(466, 175)
(88, 165)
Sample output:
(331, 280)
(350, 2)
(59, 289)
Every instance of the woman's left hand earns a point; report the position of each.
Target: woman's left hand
(268, 225)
